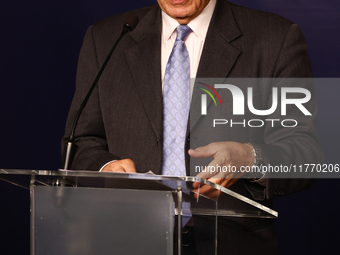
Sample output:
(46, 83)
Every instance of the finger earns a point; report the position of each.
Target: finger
(202, 175)
(207, 191)
(205, 174)
(113, 168)
(204, 151)
(224, 182)
(123, 165)
(118, 169)
(217, 165)
(128, 165)
(196, 185)
(210, 191)
(208, 188)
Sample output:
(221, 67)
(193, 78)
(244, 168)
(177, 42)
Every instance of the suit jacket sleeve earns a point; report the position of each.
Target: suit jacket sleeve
(291, 146)
(92, 152)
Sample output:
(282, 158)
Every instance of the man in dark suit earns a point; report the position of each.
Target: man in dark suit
(121, 129)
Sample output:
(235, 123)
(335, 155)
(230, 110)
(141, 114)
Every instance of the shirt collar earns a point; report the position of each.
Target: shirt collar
(198, 25)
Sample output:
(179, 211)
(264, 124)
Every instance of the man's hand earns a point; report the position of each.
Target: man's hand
(123, 165)
(225, 154)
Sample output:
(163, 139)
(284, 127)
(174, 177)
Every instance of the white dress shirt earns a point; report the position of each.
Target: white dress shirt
(194, 41)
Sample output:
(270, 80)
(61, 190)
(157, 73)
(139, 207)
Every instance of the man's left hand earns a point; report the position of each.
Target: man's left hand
(225, 154)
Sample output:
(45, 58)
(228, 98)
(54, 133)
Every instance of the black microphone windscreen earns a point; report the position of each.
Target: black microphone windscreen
(132, 21)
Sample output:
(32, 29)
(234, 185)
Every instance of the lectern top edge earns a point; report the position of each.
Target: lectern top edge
(148, 177)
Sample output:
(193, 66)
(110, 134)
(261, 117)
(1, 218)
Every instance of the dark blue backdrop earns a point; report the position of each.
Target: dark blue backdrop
(40, 42)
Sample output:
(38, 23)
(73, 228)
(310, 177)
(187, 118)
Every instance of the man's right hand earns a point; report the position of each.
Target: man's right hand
(123, 165)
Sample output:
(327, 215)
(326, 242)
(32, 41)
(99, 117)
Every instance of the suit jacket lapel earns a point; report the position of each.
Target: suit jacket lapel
(219, 55)
(144, 61)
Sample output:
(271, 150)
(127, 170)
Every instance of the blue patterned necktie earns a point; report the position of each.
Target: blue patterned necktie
(176, 103)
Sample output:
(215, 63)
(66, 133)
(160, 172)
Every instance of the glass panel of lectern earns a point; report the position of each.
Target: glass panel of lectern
(85, 212)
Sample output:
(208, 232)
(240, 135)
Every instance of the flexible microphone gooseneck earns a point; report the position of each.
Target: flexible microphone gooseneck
(70, 150)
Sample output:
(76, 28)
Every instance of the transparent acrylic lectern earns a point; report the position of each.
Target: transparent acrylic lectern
(85, 212)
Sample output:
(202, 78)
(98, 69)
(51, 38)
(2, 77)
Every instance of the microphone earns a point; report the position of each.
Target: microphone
(131, 22)
(70, 150)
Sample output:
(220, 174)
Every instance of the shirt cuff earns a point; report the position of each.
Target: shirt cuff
(262, 181)
(106, 165)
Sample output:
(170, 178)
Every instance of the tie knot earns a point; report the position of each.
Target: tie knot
(182, 32)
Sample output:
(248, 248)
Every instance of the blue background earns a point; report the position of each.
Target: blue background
(40, 43)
